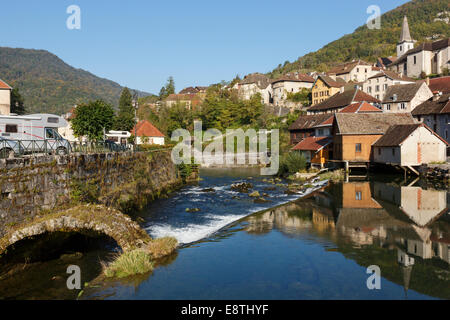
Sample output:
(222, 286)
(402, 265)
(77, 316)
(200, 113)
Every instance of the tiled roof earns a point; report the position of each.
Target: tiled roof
(309, 122)
(385, 61)
(338, 83)
(347, 67)
(360, 107)
(312, 144)
(397, 134)
(404, 92)
(189, 90)
(145, 129)
(433, 106)
(259, 79)
(441, 84)
(391, 74)
(369, 123)
(295, 78)
(182, 97)
(341, 100)
(4, 85)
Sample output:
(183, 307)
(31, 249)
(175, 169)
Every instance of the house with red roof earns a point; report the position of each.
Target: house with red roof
(441, 84)
(147, 133)
(5, 98)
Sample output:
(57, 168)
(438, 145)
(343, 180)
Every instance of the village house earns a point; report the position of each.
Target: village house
(409, 146)
(305, 126)
(147, 133)
(325, 87)
(355, 133)
(190, 101)
(405, 97)
(378, 84)
(289, 84)
(361, 107)
(435, 113)
(255, 83)
(341, 100)
(5, 98)
(437, 85)
(383, 62)
(194, 90)
(428, 58)
(356, 71)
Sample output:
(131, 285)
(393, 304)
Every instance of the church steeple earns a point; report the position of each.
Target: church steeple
(406, 42)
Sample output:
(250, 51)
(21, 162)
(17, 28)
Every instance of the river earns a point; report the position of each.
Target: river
(317, 247)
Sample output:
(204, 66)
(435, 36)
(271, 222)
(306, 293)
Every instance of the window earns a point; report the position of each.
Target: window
(415, 59)
(377, 88)
(53, 120)
(393, 152)
(358, 195)
(385, 86)
(388, 107)
(379, 151)
(403, 106)
(11, 128)
(49, 133)
(401, 48)
(358, 147)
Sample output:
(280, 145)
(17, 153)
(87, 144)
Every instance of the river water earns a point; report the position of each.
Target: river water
(317, 247)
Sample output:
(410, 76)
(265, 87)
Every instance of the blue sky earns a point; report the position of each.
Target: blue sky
(140, 43)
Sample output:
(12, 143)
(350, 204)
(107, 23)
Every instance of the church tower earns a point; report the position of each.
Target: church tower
(406, 42)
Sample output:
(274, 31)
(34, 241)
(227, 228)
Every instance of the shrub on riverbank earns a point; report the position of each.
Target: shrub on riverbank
(291, 163)
(335, 176)
(128, 264)
(162, 247)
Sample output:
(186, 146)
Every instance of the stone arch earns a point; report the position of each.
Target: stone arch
(118, 226)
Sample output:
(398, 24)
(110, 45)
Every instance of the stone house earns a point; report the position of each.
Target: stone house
(429, 57)
(410, 145)
(325, 87)
(356, 71)
(305, 126)
(435, 113)
(5, 98)
(342, 100)
(403, 98)
(255, 83)
(281, 87)
(378, 84)
(190, 101)
(355, 133)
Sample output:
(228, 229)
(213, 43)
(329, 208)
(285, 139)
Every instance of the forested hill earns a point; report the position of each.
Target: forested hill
(48, 84)
(425, 21)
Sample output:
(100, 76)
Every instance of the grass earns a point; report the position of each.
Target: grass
(335, 176)
(129, 264)
(139, 261)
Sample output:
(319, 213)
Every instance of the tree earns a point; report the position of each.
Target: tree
(17, 103)
(92, 119)
(125, 120)
(168, 89)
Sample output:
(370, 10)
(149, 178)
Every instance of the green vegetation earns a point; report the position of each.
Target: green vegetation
(304, 97)
(368, 44)
(162, 247)
(335, 176)
(125, 120)
(17, 103)
(291, 163)
(48, 84)
(93, 119)
(168, 89)
(82, 191)
(129, 264)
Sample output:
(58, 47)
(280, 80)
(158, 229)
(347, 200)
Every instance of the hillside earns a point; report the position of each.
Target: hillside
(368, 44)
(48, 84)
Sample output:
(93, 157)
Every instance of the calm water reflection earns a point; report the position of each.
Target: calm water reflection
(316, 248)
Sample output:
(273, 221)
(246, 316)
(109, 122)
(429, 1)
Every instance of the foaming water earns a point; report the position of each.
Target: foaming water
(218, 209)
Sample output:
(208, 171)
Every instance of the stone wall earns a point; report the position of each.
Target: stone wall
(37, 186)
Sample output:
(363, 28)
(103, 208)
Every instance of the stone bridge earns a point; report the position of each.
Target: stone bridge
(83, 219)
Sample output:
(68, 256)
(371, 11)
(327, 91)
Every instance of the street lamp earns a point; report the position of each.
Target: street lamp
(135, 104)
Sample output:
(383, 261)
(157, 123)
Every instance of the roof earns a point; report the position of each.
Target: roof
(183, 97)
(427, 46)
(145, 129)
(295, 78)
(312, 144)
(189, 90)
(433, 106)
(384, 61)
(404, 92)
(259, 79)
(393, 75)
(4, 85)
(309, 122)
(441, 84)
(360, 107)
(330, 82)
(369, 123)
(343, 99)
(347, 67)
(397, 134)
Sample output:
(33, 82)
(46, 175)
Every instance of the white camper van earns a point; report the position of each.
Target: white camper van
(35, 132)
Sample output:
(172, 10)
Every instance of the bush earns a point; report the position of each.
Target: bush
(162, 247)
(129, 264)
(291, 163)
